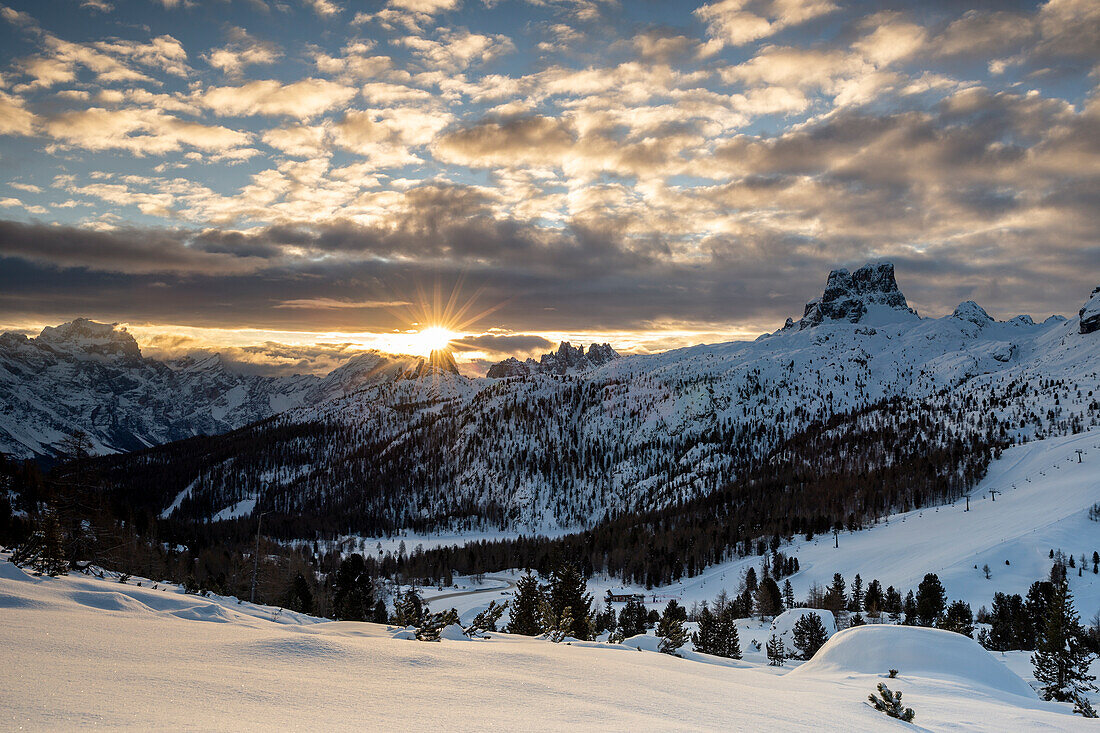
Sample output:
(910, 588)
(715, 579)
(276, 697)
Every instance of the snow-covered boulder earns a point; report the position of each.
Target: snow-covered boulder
(643, 642)
(914, 652)
(453, 632)
(783, 624)
(1090, 313)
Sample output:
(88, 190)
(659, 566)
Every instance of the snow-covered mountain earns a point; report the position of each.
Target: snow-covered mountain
(544, 451)
(91, 377)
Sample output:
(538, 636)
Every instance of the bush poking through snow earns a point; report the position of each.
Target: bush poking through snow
(1082, 706)
(486, 620)
(893, 673)
(435, 623)
(561, 629)
(890, 703)
(43, 551)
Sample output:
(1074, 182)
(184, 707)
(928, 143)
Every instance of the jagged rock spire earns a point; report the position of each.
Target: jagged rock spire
(847, 295)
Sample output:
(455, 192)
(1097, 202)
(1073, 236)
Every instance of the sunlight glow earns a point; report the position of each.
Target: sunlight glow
(433, 338)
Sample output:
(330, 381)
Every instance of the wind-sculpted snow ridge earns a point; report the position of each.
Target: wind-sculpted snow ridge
(91, 377)
(335, 675)
(640, 432)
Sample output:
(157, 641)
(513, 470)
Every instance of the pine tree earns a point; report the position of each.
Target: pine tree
(434, 623)
(1061, 659)
(788, 594)
(526, 605)
(776, 651)
(568, 589)
(671, 628)
(959, 618)
(931, 600)
(890, 703)
(564, 626)
(727, 641)
(809, 635)
(352, 590)
(409, 609)
(632, 619)
(874, 601)
(855, 604)
(298, 595)
(44, 550)
(486, 620)
(835, 598)
(704, 639)
(910, 609)
(768, 601)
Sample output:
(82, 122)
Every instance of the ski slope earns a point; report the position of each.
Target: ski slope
(82, 652)
(1042, 504)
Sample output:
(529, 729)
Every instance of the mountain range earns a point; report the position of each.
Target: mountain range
(544, 450)
(91, 378)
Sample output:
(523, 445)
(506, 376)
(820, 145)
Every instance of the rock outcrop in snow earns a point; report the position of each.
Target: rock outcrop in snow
(1090, 313)
(566, 359)
(848, 294)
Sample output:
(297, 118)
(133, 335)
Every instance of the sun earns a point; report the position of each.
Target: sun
(434, 338)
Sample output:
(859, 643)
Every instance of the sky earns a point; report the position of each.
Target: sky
(287, 181)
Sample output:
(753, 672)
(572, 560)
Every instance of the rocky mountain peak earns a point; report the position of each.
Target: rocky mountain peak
(86, 337)
(1090, 313)
(848, 294)
(442, 360)
(567, 358)
(971, 311)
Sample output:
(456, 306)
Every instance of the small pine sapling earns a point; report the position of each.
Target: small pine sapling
(435, 623)
(486, 620)
(776, 651)
(890, 703)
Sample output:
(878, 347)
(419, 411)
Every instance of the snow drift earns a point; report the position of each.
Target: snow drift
(914, 652)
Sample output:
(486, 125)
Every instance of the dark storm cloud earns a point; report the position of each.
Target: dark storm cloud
(503, 343)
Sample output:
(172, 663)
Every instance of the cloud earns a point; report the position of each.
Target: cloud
(15, 118)
(335, 304)
(454, 50)
(323, 8)
(127, 251)
(302, 99)
(243, 50)
(139, 131)
(737, 22)
(410, 15)
(509, 344)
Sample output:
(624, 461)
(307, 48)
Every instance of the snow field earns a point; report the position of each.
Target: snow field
(81, 652)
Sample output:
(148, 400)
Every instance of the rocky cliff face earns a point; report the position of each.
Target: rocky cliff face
(566, 359)
(848, 294)
(1090, 313)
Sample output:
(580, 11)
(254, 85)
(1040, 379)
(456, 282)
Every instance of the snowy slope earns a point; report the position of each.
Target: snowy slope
(542, 452)
(141, 661)
(1044, 505)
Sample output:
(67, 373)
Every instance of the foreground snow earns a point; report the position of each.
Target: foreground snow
(83, 652)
